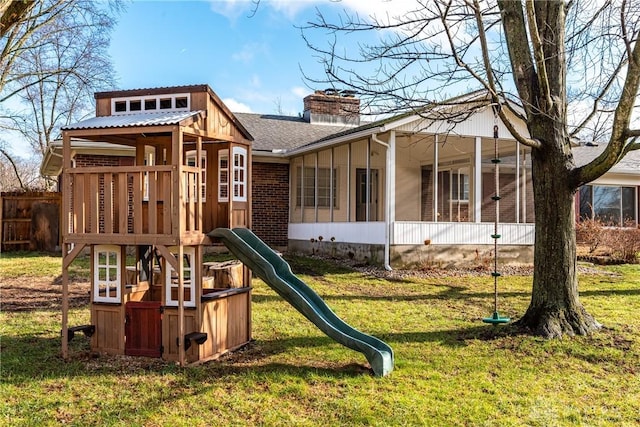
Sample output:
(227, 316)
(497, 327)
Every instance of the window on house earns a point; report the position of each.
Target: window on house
(120, 106)
(189, 279)
(106, 274)
(239, 174)
(612, 205)
(223, 175)
(191, 161)
(459, 186)
(323, 187)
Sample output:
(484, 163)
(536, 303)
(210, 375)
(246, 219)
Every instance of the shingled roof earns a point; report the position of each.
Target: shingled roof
(630, 164)
(274, 132)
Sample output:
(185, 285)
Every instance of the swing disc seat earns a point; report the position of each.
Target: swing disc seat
(496, 319)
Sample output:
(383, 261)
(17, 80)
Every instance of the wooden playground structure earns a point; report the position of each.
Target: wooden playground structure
(145, 225)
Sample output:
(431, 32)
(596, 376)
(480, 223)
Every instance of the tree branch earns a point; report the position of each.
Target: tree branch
(13, 165)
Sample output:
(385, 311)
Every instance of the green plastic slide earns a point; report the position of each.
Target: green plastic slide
(276, 273)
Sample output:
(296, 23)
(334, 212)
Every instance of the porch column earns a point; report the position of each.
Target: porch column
(368, 183)
(477, 180)
(349, 182)
(331, 189)
(517, 183)
(435, 178)
(391, 179)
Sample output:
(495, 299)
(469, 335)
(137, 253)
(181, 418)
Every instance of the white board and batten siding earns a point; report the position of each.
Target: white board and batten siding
(460, 233)
(478, 124)
(414, 233)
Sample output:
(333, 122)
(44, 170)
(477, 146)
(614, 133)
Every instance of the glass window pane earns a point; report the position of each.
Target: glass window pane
(586, 203)
(112, 258)
(102, 274)
(150, 104)
(606, 204)
(629, 205)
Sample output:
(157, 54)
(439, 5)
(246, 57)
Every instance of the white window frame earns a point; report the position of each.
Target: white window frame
(239, 175)
(223, 175)
(143, 99)
(191, 161)
(108, 282)
(189, 281)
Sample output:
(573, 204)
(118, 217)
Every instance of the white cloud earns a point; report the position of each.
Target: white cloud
(232, 9)
(236, 106)
(249, 52)
(300, 92)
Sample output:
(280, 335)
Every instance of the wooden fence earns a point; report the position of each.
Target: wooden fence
(30, 221)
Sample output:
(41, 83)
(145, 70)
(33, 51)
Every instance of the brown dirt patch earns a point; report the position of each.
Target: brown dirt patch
(37, 293)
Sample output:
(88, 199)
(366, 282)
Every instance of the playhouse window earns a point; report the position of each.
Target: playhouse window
(150, 104)
(189, 279)
(120, 106)
(239, 174)
(177, 102)
(191, 161)
(106, 274)
(223, 175)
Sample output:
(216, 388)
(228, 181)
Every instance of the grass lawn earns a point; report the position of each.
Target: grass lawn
(451, 369)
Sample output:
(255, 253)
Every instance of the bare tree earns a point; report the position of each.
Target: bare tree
(55, 58)
(547, 56)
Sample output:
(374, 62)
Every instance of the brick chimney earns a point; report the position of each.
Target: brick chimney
(332, 107)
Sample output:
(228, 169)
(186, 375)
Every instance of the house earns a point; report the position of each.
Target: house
(412, 189)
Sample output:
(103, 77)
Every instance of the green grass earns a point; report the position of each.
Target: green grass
(451, 369)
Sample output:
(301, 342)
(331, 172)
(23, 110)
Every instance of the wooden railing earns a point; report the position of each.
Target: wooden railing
(131, 201)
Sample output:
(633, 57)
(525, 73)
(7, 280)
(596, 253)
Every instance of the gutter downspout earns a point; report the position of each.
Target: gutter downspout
(388, 199)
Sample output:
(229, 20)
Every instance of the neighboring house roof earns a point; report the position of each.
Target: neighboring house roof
(274, 133)
(630, 164)
(134, 120)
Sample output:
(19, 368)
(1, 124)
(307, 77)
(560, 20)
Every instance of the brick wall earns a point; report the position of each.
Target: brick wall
(271, 202)
(86, 160)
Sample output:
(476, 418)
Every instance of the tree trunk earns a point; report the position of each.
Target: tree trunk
(555, 308)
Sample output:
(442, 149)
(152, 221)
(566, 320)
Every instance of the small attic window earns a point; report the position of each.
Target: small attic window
(181, 102)
(165, 103)
(135, 105)
(150, 104)
(120, 106)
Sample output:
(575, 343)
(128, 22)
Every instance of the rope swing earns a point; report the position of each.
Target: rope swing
(495, 317)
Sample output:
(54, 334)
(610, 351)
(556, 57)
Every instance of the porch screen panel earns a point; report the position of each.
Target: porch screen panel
(340, 165)
(324, 186)
(295, 214)
(309, 189)
(359, 155)
(507, 175)
(527, 213)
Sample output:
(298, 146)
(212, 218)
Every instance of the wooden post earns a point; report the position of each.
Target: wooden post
(65, 305)
(1, 223)
(198, 217)
(181, 353)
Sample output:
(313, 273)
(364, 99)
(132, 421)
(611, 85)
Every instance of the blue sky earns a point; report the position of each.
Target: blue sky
(252, 62)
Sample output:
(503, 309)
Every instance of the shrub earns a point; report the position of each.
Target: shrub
(591, 232)
(624, 242)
